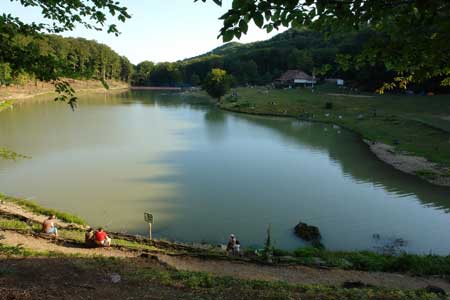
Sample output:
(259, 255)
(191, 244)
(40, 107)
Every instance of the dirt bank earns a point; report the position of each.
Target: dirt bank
(413, 165)
(31, 91)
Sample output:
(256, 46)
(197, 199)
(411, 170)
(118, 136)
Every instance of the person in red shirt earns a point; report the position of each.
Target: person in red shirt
(102, 238)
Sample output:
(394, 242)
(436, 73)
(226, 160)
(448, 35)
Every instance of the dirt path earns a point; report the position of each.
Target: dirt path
(11, 208)
(300, 274)
(10, 238)
(244, 270)
(291, 274)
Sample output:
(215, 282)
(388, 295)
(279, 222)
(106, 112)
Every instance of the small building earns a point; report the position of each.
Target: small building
(294, 77)
(337, 81)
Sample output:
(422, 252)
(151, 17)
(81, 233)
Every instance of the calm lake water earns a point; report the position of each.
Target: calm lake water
(205, 173)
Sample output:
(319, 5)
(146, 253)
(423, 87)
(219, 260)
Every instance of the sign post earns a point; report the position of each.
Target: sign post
(148, 217)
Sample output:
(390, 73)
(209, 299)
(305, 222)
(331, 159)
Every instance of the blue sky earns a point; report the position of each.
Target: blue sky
(159, 30)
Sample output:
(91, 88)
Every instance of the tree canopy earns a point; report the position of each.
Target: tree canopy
(19, 41)
(217, 83)
(411, 40)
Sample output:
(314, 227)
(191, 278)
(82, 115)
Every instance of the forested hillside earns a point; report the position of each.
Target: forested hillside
(54, 56)
(261, 62)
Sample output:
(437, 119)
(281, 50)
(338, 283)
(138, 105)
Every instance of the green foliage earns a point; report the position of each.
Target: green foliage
(13, 224)
(26, 53)
(371, 261)
(8, 154)
(5, 74)
(33, 207)
(66, 14)
(217, 83)
(411, 37)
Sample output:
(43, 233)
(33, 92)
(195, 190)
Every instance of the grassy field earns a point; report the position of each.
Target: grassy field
(415, 125)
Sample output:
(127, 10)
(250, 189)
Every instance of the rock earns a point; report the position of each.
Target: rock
(115, 278)
(307, 232)
(435, 290)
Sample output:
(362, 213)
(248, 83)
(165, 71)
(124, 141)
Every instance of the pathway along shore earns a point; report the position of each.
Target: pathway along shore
(167, 255)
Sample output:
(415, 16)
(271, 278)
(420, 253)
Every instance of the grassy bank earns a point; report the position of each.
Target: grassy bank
(142, 279)
(355, 260)
(370, 261)
(415, 125)
(36, 208)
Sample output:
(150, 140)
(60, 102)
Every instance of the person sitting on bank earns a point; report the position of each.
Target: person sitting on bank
(102, 238)
(48, 226)
(89, 238)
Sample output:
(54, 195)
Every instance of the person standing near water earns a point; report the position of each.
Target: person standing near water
(231, 244)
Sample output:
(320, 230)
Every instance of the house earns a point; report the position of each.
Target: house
(337, 81)
(293, 77)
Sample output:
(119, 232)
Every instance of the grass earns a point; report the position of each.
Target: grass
(36, 208)
(216, 287)
(374, 262)
(150, 278)
(413, 124)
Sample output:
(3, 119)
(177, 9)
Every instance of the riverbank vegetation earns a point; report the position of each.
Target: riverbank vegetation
(36, 208)
(413, 125)
(419, 265)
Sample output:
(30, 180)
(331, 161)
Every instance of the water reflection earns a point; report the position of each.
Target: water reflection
(205, 173)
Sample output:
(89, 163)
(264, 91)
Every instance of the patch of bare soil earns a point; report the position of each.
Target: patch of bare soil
(300, 274)
(74, 279)
(24, 93)
(11, 238)
(414, 165)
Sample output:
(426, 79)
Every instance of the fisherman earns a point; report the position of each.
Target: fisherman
(48, 226)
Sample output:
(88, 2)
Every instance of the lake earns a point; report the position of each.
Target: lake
(205, 173)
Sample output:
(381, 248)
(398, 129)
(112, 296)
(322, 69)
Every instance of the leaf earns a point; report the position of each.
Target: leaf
(258, 19)
(243, 26)
(227, 36)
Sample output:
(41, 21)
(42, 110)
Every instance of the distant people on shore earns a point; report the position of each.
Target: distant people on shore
(233, 246)
(102, 238)
(49, 227)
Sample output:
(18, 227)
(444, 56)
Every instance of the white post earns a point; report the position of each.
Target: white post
(150, 230)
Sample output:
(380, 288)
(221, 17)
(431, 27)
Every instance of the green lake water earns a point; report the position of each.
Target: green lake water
(205, 173)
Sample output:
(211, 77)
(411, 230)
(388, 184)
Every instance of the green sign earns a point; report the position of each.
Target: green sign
(148, 217)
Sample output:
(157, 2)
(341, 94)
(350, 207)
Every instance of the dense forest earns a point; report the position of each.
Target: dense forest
(64, 57)
(260, 63)
(256, 63)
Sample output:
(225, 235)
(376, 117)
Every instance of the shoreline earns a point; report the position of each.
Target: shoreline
(408, 164)
(30, 92)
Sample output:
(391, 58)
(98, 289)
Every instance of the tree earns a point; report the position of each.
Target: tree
(301, 59)
(217, 83)
(63, 15)
(411, 35)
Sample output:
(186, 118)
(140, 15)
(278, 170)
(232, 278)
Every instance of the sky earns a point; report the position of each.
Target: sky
(159, 30)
